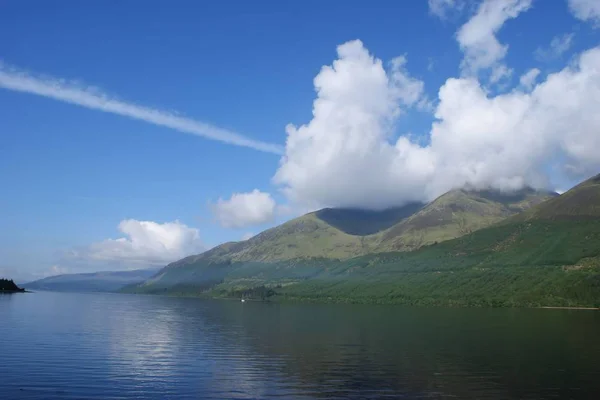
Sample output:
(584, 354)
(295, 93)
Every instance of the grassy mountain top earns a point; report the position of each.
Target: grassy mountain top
(306, 236)
(457, 213)
(347, 233)
(580, 202)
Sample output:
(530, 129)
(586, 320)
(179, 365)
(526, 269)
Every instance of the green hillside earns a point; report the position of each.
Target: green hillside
(580, 202)
(455, 214)
(547, 256)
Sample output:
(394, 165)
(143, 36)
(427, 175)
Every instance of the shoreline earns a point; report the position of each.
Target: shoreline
(570, 308)
(309, 300)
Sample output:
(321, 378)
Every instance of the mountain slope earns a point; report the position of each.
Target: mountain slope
(580, 202)
(91, 282)
(547, 256)
(457, 213)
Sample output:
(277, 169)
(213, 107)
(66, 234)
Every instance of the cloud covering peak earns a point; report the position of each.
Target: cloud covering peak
(346, 157)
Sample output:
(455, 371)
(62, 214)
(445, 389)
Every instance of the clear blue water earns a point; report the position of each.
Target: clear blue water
(110, 346)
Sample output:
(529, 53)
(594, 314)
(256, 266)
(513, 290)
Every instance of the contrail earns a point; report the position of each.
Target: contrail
(59, 89)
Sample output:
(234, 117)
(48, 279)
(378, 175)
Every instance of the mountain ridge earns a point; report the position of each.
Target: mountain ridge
(329, 232)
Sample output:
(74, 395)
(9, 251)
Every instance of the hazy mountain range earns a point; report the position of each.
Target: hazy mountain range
(107, 281)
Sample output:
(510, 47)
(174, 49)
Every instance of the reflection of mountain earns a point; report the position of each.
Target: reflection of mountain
(362, 351)
(119, 346)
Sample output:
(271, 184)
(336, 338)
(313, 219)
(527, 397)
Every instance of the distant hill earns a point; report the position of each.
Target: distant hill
(9, 286)
(91, 282)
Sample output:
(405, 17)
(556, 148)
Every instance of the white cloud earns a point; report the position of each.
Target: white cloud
(245, 209)
(408, 91)
(343, 156)
(477, 37)
(558, 46)
(247, 235)
(442, 8)
(586, 10)
(500, 72)
(144, 243)
(90, 97)
(528, 79)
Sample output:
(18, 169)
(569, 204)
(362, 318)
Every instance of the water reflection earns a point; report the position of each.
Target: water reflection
(123, 346)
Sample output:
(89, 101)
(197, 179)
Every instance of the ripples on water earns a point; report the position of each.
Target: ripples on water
(108, 346)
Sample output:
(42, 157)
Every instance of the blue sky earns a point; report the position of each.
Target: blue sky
(86, 189)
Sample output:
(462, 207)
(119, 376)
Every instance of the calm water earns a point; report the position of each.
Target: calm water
(85, 346)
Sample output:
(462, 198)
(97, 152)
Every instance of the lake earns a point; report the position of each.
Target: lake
(112, 346)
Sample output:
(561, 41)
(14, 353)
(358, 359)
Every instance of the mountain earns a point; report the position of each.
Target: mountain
(581, 202)
(346, 233)
(549, 255)
(306, 247)
(91, 282)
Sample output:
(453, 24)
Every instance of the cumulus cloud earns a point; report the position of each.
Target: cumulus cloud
(245, 209)
(528, 79)
(558, 46)
(144, 243)
(477, 37)
(342, 157)
(90, 97)
(586, 10)
(345, 157)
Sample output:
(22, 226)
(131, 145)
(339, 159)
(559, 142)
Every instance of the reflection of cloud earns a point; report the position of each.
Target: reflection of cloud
(158, 341)
(142, 345)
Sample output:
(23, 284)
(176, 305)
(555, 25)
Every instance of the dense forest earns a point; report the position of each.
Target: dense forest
(8, 285)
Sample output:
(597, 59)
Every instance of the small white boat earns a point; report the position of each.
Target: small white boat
(243, 300)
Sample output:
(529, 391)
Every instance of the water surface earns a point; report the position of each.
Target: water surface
(110, 346)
